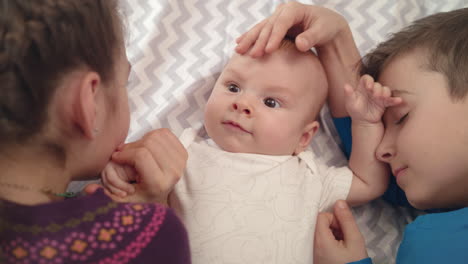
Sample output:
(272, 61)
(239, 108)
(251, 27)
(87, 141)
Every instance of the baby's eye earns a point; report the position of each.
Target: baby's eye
(402, 119)
(233, 88)
(272, 103)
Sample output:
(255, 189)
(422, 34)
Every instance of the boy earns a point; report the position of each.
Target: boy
(252, 192)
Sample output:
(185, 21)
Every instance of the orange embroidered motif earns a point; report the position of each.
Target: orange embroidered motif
(137, 207)
(106, 234)
(79, 246)
(48, 252)
(20, 252)
(127, 220)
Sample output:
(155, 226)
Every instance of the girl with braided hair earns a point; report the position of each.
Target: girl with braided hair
(63, 113)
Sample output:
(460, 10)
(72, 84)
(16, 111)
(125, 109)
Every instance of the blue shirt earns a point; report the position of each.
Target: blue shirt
(434, 239)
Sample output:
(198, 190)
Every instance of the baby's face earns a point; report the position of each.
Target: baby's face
(426, 138)
(266, 105)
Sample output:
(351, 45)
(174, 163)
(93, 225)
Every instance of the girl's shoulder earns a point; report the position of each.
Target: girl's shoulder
(89, 229)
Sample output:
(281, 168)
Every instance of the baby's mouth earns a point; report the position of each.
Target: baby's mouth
(236, 125)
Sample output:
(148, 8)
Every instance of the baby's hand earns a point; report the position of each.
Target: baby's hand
(117, 178)
(368, 101)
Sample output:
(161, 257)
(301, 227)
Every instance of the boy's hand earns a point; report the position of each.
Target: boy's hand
(337, 237)
(367, 102)
(158, 161)
(117, 179)
(309, 25)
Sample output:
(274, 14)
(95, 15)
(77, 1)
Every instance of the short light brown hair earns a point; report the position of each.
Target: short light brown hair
(444, 39)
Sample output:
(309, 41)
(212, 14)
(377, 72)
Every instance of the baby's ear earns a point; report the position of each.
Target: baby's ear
(308, 133)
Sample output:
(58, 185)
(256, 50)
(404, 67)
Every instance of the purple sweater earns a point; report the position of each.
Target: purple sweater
(91, 229)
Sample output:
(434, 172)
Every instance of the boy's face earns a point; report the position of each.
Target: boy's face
(426, 138)
(266, 105)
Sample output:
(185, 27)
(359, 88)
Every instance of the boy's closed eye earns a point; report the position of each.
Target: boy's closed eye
(401, 119)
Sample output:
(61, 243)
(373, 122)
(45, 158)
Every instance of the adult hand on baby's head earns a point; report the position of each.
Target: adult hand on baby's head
(309, 25)
(337, 237)
(158, 161)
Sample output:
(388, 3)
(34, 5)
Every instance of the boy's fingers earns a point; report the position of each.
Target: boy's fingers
(348, 225)
(248, 39)
(282, 23)
(323, 229)
(259, 47)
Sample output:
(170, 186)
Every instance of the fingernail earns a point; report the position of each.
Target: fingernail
(303, 42)
(341, 204)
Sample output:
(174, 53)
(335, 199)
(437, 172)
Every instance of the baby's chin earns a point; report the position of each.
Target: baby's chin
(250, 149)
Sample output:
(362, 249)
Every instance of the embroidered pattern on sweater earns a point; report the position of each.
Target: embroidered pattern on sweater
(54, 227)
(117, 239)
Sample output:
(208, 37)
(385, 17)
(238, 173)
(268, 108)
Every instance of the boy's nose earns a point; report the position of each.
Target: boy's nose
(386, 149)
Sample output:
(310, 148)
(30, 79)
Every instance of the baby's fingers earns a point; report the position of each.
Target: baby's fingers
(367, 82)
(393, 101)
(386, 95)
(122, 179)
(378, 91)
(349, 91)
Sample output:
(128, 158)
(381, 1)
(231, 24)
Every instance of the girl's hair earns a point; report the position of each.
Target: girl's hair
(41, 41)
(443, 37)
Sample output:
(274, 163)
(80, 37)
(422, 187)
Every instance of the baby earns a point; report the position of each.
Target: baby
(251, 193)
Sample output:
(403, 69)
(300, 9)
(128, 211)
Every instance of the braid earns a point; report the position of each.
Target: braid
(40, 42)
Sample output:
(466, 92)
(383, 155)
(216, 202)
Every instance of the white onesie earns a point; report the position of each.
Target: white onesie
(251, 208)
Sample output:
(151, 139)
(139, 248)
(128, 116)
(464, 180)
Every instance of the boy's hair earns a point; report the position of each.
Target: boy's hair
(444, 39)
(40, 42)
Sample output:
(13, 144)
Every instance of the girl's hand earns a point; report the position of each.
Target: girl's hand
(157, 160)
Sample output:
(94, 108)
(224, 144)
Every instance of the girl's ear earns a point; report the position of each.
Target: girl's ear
(309, 132)
(85, 103)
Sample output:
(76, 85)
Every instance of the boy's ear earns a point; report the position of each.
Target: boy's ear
(85, 103)
(309, 132)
